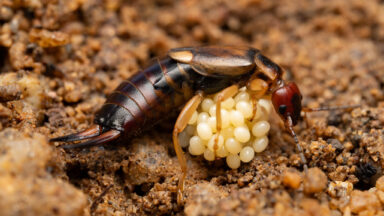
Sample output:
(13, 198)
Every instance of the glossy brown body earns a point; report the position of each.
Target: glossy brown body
(165, 86)
(184, 76)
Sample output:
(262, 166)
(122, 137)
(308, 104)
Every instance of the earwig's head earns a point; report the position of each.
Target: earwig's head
(287, 102)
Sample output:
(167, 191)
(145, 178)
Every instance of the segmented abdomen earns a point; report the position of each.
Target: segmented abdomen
(147, 97)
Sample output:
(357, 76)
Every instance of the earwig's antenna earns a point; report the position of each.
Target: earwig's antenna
(102, 138)
(307, 109)
(289, 126)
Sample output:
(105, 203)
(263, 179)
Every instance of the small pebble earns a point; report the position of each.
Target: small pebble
(291, 179)
(364, 200)
(315, 181)
(339, 189)
(380, 183)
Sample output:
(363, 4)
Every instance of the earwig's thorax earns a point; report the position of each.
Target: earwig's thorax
(286, 100)
(268, 68)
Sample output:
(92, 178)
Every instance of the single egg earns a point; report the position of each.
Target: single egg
(204, 131)
(245, 108)
(233, 146)
(222, 152)
(242, 134)
(260, 144)
(207, 104)
(228, 104)
(215, 142)
(202, 117)
(260, 128)
(233, 161)
(209, 155)
(247, 154)
(196, 146)
(242, 96)
(193, 118)
(236, 117)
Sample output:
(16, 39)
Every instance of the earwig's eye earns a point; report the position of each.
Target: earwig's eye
(282, 109)
(287, 102)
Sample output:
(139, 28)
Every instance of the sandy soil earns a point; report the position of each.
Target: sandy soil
(59, 60)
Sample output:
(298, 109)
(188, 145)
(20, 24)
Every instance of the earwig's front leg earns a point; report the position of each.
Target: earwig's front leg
(181, 122)
(257, 88)
(289, 126)
(222, 96)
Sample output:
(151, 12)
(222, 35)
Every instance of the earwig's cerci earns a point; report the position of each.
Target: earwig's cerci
(183, 77)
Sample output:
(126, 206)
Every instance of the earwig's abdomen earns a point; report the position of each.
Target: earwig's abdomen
(151, 94)
(145, 98)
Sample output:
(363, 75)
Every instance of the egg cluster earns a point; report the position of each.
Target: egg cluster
(239, 138)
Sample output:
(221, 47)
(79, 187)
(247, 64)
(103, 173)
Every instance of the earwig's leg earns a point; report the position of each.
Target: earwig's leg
(222, 96)
(289, 126)
(181, 122)
(258, 88)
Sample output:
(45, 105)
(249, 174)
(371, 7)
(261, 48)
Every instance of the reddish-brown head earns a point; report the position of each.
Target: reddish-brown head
(287, 102)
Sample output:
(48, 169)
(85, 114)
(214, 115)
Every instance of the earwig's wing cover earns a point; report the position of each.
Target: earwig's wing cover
(216, 61)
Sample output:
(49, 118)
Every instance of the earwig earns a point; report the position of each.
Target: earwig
(184, 76)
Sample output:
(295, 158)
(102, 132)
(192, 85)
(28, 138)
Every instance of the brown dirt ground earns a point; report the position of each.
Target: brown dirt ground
(59, 59)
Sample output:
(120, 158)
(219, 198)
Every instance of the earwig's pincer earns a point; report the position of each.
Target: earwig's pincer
(91, 132)
(183, 77)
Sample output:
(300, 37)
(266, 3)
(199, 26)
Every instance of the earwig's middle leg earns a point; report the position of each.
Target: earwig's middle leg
(257, 88)
(222, 96)
(181, 122)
